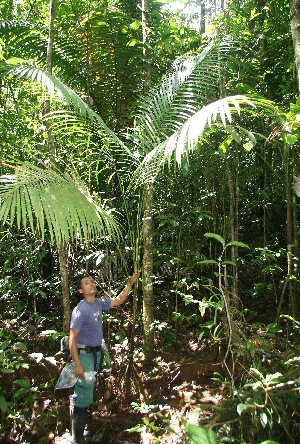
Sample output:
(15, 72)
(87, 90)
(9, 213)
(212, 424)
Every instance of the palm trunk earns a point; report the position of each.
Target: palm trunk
(63, 270)
(62, 257)
(51, 144)
(148, 318)
(233, 204)
(202, 19)
(288, 285)
(146, 46)
(295, 28)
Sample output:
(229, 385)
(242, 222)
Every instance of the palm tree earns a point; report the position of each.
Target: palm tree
(170, 123)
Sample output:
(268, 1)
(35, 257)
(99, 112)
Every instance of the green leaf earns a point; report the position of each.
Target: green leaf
(53, 86)
(136, 25)
(20, 392)
(137, 428)
(226, 144)
(202, 308)
(15, 61)
(237, 244)
(234, 134)
(21, 346)
(3, 404)
(54, 200)
(24, 365)
(216, 236)
(242, 407)
(208, 261)
(229, 263)
(200, 435)
(290, 139)
(133, 42)
(263, 419)
(176, 316)
(270, 442)
(256, 372)
(22, 383)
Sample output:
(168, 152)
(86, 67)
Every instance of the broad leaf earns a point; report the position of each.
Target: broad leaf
(216, 236)
(207, 261)
(3, 404)
(200, 435)
(237, 244)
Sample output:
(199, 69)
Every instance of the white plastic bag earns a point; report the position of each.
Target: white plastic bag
(67, 378)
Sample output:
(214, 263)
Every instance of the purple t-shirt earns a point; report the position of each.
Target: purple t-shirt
(87, 319)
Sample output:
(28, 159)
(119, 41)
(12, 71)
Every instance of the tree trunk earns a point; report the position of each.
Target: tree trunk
(63, 270)
(51, 144)
(148, 318)
(52, 150)
(295, 28)
(148, 226)
(146, 46)
(202, 19)
(233, 217)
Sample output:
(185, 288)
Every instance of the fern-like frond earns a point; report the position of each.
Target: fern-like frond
(37, 199)
(22, 39)
(52, 86)
(192, 82)
(219, 114)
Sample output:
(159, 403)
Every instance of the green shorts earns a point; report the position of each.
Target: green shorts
(84, 391)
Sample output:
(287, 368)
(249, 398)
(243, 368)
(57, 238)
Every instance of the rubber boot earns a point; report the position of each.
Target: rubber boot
(78, 419)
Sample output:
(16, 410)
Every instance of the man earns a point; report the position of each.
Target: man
(85, 340)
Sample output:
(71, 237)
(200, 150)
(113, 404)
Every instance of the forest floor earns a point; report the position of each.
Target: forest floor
(186, 383)
(176, 393)
(155, 398)
(178, 386)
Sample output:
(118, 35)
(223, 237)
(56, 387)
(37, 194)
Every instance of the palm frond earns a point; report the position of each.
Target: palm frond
(22, 39)
(36, 199)
(53, 85)
(67, 124)
(192, 82)
(219, 114)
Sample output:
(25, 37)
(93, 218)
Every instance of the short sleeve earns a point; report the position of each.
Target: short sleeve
(105, 303)
(77, 319)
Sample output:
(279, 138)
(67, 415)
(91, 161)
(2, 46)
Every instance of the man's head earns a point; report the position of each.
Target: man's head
(79, 280)
(87, 286)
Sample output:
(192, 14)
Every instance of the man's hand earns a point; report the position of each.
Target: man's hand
(124, 293)
(79, 371)
(134, 277)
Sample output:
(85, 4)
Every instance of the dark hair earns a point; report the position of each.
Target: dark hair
(79, 280)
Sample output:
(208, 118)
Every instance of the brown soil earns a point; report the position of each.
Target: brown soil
(176, 387)
(182, 387)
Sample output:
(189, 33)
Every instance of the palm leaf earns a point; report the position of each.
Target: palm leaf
(22, 39)
(165, 109)
(52, 86)
(218, 114)
(47, 198)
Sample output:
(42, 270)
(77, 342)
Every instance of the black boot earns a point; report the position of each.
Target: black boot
(78, 417)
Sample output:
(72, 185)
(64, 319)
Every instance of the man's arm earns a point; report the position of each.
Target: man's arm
(79, 371)
(118, 300)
